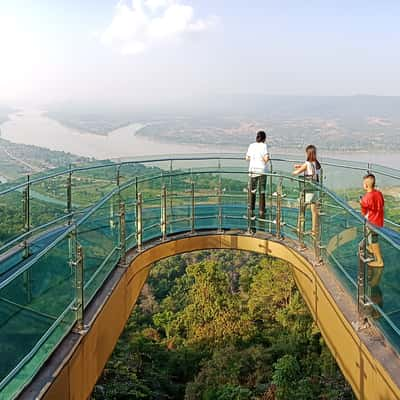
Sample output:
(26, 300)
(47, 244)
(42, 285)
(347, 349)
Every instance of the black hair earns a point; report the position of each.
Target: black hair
(311, 151)
(261, 136)
(371, 177)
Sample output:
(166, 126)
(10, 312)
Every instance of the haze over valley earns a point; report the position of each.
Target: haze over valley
(354, 127)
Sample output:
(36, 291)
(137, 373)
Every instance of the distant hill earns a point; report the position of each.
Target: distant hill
(357, 122)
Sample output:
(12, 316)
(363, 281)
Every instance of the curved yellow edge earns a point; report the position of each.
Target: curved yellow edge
(81, 369)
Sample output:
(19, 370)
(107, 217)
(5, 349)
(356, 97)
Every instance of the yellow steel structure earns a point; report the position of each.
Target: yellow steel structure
(372, 369)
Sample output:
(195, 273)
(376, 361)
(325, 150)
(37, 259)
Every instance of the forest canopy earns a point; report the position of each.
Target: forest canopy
(218, 325)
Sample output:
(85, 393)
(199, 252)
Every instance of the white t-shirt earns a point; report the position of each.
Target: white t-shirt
(312, 170)
(256, 153)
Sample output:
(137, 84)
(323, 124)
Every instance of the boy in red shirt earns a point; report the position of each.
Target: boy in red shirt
(372, 207)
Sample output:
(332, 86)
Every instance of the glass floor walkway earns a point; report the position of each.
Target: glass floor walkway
(62, 234)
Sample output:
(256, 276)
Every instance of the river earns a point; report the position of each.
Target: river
(34, 128)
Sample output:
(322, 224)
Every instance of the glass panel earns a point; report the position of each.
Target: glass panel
(48, 200)
(89, 186)
(36, 305)
(341, 233)
(291, 191)
(206, 193)
(179, 203)
(128, 197)
(99, 238)
(383, 284)
(234, 200)
(11, 216)
(129, 171)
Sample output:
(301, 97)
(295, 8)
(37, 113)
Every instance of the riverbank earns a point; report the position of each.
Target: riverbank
(34, 127)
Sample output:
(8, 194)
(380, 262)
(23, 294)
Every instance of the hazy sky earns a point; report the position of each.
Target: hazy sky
(160, 50)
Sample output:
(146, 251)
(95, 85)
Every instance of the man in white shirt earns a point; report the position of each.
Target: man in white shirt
(258, 156)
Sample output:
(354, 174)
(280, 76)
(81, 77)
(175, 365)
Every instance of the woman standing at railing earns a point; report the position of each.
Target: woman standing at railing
(312, 172)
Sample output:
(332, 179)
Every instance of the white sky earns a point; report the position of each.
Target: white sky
(156, 51)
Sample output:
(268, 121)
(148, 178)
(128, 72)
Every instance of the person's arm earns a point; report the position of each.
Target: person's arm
(300, 169)
(265, 155)
(248, 154)
(364, 205)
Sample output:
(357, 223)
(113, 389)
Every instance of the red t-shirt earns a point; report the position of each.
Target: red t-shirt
(372, 205)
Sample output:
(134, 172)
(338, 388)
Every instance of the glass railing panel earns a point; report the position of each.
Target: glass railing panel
(36, 313)
(180, 210)
(290, 206)
(128, 197)
(232, 202)
(151, 190)
(99, 237)
(346, 182)
(341, 233)
(382, 283)
(12, 221)
(197, 163)
(179, 186)
(207, 186)
(48, 201)
(151, 217)
(233, 162)
(145, 170)
(282, 164)
(90, 185)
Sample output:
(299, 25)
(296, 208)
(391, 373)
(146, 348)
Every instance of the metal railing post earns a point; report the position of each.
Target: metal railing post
(118, 176)
(26, 214)
(139, 222)
(219, 230)
(122, 233)
(317, 233)
(76, 265)
(361, 273)
(270, 198)
(112, 214)
(279, 209)
(69, 195)
(302, 213)
(249, 210)
(361, 279)
(79, 284)
(170, 190)
(27, 278)
(163, 222)
(193, 209)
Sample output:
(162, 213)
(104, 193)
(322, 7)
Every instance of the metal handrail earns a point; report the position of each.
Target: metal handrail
(111, 164)
(108, 196)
